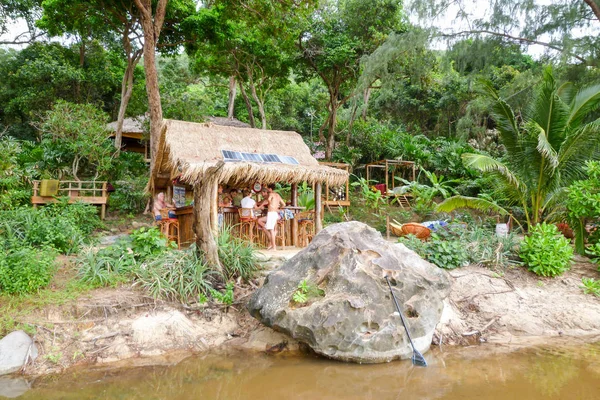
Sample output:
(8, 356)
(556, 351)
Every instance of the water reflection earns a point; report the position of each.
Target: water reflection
(532, 375)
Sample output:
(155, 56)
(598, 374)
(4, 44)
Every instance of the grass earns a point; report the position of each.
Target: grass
(15, 311)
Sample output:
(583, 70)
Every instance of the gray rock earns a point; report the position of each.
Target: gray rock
(13, 351)
(356, 319)
(13, 387)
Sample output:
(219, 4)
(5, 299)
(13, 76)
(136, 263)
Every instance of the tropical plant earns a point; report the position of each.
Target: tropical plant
(26, 269)
(546, 251)
(583, 203)
(590, 286)
(237, 256)
(373, 198)
(545, 152)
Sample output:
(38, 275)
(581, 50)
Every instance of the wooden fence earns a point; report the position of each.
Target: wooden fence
(90, 192)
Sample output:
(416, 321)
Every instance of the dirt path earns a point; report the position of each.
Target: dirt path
(519, 307)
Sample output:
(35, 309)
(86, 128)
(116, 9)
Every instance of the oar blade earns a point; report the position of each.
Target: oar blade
(418, 359)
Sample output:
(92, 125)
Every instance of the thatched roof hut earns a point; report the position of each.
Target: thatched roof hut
(193, 151)
(132, 127)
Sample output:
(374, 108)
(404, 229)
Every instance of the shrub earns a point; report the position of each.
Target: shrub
(546, 251)
(130, 196)
(175, 275)
(442, 249)
(146, 242)
(105, 267)
(590, 286)
(26, 269)
(237, 256)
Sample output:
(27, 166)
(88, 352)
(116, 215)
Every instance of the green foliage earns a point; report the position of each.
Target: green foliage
(175, 275)
(546, 251)
(26, 269)
(130, 195)
(64, 227)
(546, 151)
(105, 267)
(583, 202)
(594, 252)
(305, 292)
(149, 242)
(237, 256)
(590, 286)
(78, 133)
(225, 298)
(458, 245)
(372, 198)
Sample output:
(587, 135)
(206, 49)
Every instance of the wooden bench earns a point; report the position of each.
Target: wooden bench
(90, 192)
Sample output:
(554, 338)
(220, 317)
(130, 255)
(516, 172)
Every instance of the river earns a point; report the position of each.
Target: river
(467, 373)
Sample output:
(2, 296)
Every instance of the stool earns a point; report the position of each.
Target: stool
(306, 228)
(280, 233)
(247, 224)
(169, 227)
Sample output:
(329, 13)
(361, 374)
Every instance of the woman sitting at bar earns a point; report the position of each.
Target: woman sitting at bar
(248, 205)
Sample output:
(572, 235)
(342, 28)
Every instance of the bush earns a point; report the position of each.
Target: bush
(26, 269)
(546, 251)
(105, 267)
(237, 256)
(130, 196)
(442, 249)
(64, 227)
(175, 275)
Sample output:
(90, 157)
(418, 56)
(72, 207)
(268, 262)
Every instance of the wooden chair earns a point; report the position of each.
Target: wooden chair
(306, 228)
(247, 223)
(169, 227)
(280, 238)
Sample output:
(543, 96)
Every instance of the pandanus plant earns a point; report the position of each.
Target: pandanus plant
(546, 150)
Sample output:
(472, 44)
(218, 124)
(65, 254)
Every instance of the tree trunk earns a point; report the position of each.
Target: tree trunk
(152, 27)
(126, 92)
(232, 93)
(366, 97)
(248, 105)
(331, 131)
(261, 106)
(206, 244)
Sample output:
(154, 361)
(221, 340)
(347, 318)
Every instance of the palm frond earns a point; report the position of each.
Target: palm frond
(566, 92)
(549, 111)
(504, 117)
(544, 147)
(475, 203)
(488, 164)
(586, 100)
(579, 146)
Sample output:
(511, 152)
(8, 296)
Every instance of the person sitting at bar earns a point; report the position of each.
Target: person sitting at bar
(160, 204)
(248, 205)
(236, 197)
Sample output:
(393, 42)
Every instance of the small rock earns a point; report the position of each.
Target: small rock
(13, 387)
(14, 348)
(262, 258)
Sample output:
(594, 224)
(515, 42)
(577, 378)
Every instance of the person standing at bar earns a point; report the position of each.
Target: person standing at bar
(269, 223)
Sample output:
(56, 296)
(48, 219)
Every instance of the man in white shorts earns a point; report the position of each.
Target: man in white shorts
(269, 223)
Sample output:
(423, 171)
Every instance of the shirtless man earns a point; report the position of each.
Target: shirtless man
(269, 223)
(159, 204)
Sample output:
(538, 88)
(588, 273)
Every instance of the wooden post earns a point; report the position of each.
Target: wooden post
(294, 199)
(104, 195)
(367, 167)
(387, 172)
(318, 209)
(205, 222)
(414, 172)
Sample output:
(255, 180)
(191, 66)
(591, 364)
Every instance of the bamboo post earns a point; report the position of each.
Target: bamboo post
(387, 172)
(294, 229)
(348, 185)
(104, 196)
(318, 209)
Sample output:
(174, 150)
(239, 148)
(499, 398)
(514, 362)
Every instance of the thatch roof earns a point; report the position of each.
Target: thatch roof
(132, 127)
(228, 122)
(194, 151)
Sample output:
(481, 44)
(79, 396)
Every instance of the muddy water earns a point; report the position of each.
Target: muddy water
(564, 373)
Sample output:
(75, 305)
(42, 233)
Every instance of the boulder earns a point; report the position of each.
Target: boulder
(13, 387)
(14, 349)
(354, 318)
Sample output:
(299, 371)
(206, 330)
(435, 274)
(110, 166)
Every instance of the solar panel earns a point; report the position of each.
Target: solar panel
(251, 157)
(231, 155)
(289, 160)
(274, 158)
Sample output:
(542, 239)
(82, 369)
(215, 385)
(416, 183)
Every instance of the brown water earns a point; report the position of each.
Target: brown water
(564, 373)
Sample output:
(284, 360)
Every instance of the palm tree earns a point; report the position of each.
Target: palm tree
(545, 151)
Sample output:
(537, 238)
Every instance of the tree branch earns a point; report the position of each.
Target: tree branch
(518, 39)
(595, 8)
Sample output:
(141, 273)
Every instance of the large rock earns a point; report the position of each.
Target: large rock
(14, 349)
(356, 319)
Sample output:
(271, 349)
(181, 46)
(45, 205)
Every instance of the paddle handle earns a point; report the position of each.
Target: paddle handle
(400, 312)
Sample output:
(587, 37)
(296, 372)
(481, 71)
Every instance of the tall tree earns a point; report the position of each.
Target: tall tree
(333, 41)
(249, 42)
(25, 10)
(545, 151)
(569, 27)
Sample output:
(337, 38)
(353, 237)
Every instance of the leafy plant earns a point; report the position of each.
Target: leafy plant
(306, 291)
(546, 251)
(147, 242)
(545, 152)
(237, 256)
(105, 267)
(225, 298)
(372, 198)
(590, 286)
(175, 275)
(26, 269)
(583, 203)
